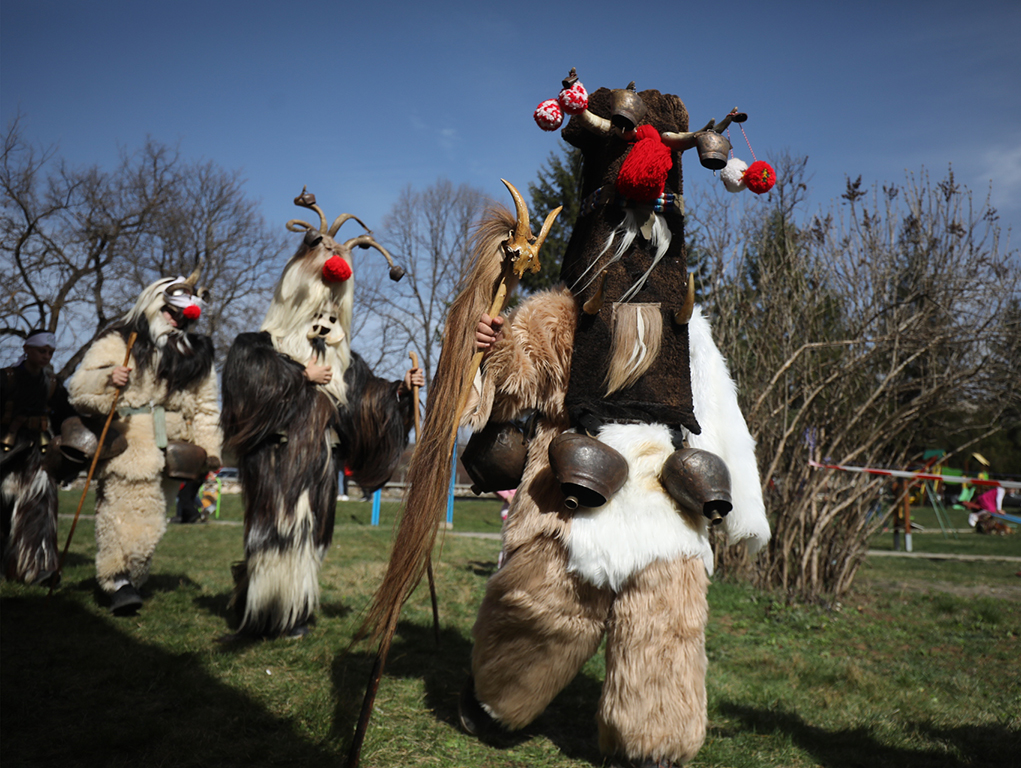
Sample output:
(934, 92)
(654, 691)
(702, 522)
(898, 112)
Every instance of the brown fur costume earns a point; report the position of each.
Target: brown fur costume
(293, 437)
(172, 370)
(633, 372)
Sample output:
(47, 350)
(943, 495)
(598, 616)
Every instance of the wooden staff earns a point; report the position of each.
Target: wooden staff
(429, 562)
(520, 252)
(95, 461)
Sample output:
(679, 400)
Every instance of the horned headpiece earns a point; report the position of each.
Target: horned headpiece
(177, 296)
(310, 315)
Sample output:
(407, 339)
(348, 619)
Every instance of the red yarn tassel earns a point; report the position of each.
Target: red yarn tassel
(643, 174)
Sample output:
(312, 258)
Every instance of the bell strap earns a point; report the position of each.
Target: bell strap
(159, 420)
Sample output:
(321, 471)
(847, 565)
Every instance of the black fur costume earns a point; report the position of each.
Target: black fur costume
(34, 407)
(292, 442)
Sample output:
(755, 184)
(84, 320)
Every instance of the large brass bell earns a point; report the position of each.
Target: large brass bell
(699, 482)
(627, 107)
(713, 149)
(79, 440)
(185, 461)
(589, 472)
(494, 457)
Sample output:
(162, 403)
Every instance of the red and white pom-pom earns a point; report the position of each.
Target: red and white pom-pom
(573, 100)
(336, 270)
(733, 174)
(760, 177)
(548, 115)
(192, 311)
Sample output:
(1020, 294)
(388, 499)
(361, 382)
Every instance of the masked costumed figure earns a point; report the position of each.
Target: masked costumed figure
(638, 446)
(630, 443)
(168, 414)
(298, 406)
(35, 407)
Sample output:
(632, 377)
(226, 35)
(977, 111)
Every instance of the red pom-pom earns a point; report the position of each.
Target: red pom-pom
(573, 100)
(643, 173)
(192, 311)
(548, 115)
(336, 270)
(760, 177)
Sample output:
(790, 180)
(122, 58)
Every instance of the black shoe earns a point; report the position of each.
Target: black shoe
(125, 601)
(296, 633)
(474, 719)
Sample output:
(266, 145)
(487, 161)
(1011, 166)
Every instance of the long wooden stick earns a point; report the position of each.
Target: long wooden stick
(429, 562)
(92, 469)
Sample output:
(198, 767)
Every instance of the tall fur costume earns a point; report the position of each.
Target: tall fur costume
(292, 437)
(172, 371)
(34, 407)
(628, 372)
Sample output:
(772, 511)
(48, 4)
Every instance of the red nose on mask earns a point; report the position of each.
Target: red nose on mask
(336, 270)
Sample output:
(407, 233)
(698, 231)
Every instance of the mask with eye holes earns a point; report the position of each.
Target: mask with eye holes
(326, 330)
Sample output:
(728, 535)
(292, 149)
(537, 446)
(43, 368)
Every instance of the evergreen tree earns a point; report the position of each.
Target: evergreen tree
(559, 183)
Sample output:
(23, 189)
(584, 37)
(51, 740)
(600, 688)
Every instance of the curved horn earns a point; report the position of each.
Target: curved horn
(595, 303)
(339, 221)
(193, 278)
(683, 315)
(594, 122)
(307, 200)
(367, 241)
(520, 242)
(297, 225)
(678, 141)
(523, 228)
(546, 227)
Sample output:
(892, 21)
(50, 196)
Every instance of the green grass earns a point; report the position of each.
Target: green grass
(917, 667)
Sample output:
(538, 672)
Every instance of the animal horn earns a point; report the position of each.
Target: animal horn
(520, 242)
(523, 228)
(367, 241)
(307, 200)
(297, 225)
(339, 221)
(193, 278)
(590, 121)
(683, 315)
(595, 303)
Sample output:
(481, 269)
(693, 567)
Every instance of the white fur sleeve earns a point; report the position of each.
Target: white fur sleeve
(90, 389)
(725, 433)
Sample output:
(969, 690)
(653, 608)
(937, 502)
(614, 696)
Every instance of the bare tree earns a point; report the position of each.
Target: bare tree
(79, 244)
(428, 233)
(862, 337)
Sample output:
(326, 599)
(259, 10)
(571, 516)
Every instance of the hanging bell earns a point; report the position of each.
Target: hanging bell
(589, 472)
(628, 109)
(713, 149)
(494, 457)
(699, 482)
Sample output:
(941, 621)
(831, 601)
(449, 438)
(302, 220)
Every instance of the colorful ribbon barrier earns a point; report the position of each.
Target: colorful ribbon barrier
(920, 475)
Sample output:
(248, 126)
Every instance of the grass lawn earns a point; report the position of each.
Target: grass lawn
(919, 665)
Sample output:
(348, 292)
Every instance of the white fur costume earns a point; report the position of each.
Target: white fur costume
(633, 569)
(132, 493)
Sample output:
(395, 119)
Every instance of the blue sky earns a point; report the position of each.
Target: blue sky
(357, 103)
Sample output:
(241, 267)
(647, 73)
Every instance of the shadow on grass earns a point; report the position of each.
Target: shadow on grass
(983, 745)
(568, 722)
(77, 692)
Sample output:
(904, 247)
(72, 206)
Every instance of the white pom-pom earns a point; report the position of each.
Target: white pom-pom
(733, 174)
